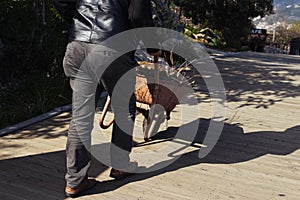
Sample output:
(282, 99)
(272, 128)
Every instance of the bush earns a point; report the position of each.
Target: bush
(36, 95)
(32, 45)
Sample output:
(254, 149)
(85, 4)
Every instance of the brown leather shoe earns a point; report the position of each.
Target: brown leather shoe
(122, 173)
(74, 192)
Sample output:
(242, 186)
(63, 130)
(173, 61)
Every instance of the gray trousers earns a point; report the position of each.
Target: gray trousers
(86, 66)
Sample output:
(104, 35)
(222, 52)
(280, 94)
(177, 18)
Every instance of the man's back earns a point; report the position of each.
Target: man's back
(96, 20)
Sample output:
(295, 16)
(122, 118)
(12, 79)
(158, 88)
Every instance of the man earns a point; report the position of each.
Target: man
(95, 21)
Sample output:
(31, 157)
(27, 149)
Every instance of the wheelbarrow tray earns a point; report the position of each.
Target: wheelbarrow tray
(155, 84)
(158, 85)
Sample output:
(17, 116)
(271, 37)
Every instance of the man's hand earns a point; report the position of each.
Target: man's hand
(157, 53)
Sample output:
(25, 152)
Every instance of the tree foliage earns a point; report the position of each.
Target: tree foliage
(231, 17)
(33, 38)
(285, 33)
(294, 30)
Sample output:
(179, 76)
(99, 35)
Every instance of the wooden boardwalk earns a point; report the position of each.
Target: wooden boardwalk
(256, 157)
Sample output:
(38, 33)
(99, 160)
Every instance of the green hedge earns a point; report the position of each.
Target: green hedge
(33, 38)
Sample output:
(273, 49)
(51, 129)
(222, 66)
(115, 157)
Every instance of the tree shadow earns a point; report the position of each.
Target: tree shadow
(54, 127)
(255, 79)
(42, 176)
(250, 79)
(232, 147)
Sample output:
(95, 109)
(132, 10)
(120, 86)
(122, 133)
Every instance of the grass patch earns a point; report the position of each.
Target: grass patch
(37, 94)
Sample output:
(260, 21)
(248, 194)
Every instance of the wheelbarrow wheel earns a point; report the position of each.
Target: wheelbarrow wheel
(145, 124)
(151, 123)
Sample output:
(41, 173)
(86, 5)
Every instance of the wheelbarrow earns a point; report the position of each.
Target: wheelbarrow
(157, 93)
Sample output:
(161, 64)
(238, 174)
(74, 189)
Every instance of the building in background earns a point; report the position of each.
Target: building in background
(257, 39)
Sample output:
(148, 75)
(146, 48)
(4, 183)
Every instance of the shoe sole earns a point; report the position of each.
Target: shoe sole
(92, 184)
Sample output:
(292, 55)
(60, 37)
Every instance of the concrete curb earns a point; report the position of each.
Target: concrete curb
(59, 110)
(218, 54)
(52, 113)
(18, 126)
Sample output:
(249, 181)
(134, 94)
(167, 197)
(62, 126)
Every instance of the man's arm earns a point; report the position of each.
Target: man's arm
(140, 15)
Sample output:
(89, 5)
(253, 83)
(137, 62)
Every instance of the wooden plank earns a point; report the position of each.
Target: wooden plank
(256, 159)
(27, 191)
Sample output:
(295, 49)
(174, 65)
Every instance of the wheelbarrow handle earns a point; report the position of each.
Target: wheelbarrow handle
(106, 106)
(155, 59)
(103, 114)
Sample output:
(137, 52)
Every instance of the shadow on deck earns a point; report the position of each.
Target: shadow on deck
(42, 176)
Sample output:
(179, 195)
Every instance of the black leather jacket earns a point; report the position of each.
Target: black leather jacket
(96, 20)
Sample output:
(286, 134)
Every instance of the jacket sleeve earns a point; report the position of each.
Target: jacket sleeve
(140, 15)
